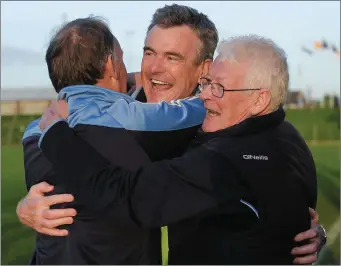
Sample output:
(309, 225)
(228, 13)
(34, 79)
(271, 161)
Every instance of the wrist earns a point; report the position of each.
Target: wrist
(48, 128)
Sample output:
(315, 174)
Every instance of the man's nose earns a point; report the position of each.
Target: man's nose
(205, 92)
(157, 65)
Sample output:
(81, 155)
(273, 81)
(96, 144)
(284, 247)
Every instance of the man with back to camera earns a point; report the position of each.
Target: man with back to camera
(100, 113)
(154, 68)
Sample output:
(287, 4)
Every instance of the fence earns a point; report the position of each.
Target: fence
(13, 127)
(319, 132)
(15, 116)
(23, 107)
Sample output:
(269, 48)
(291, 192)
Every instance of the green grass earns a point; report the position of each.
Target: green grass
(13, 127)
(316, 124)
(18, 241)
(327, 159)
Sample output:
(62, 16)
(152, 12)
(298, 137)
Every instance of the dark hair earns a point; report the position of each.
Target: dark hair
(178, 15)
(78, 52)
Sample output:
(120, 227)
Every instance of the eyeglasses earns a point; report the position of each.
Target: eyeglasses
(216, 88)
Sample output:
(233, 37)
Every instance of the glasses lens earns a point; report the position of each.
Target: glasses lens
(217, 90)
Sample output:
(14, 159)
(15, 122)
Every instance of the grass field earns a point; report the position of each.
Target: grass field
(18, 241)
(316, 124)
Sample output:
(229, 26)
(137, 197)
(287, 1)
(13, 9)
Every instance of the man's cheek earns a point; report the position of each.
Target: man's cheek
(175, 93)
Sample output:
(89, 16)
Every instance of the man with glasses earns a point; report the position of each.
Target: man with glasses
(216, 88)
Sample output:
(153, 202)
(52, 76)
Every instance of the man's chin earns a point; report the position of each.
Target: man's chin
(209, 125)
(156, 96)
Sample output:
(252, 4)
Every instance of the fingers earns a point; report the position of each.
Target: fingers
(58, 213)
(57, 199)
(50, 115)
(311, 233)
(308, 249)
(35, 213)
(52, 224)
(29, 208)
(306, 259)
(321, 233)
(54, 232)
(40, 188)
(62, 108)
(314, 216)
(312, 212)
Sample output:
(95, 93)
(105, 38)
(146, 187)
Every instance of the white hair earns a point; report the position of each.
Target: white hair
(267, 64)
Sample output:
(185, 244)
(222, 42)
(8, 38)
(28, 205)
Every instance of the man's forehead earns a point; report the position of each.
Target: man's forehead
(227, 69)
(178, 39)
(229, 59)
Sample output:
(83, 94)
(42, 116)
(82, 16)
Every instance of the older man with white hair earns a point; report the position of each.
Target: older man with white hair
(224, 199)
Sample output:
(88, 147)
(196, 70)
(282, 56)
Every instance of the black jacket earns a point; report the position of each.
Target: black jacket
(120, 240)
(237, 196)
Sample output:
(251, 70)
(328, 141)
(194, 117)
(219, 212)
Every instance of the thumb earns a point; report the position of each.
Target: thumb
(314, 216)
(62, 108)
(40, 189)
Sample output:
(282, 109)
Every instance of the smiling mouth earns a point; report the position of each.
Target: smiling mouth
(154, 81)
(212, 113)
(160, 85)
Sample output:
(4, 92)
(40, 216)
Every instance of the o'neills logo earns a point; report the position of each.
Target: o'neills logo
(255, 157)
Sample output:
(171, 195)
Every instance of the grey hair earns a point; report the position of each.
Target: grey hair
(267, 64)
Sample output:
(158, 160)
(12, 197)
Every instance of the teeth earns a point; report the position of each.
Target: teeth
(212, 113)
(160, 82)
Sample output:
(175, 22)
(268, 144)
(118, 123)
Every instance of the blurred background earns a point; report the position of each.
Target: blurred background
(308, 31)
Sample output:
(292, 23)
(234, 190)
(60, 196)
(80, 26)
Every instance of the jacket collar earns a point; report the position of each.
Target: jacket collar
(140, 95)
(248, 126)
(91, 93)
(80, 95)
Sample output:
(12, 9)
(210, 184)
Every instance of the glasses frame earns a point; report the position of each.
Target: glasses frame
(218, 87)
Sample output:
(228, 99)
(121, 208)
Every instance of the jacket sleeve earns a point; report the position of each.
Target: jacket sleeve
(37, 167)
(158, 194)
(138, 116)
(163, 116)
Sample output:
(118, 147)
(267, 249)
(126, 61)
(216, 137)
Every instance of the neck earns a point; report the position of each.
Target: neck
(107, 85)
(268, 110)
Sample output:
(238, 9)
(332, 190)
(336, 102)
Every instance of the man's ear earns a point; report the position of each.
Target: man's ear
(262, 102)
(112, 67)
(205, 68)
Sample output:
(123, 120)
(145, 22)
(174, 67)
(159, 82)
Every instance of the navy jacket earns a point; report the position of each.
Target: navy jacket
(237, 196)
(103, 117)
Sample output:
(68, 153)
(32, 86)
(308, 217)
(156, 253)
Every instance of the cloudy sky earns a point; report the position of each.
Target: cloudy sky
(27, 26)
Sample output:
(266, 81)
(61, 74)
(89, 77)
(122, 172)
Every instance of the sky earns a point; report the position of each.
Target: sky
(28, 26)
